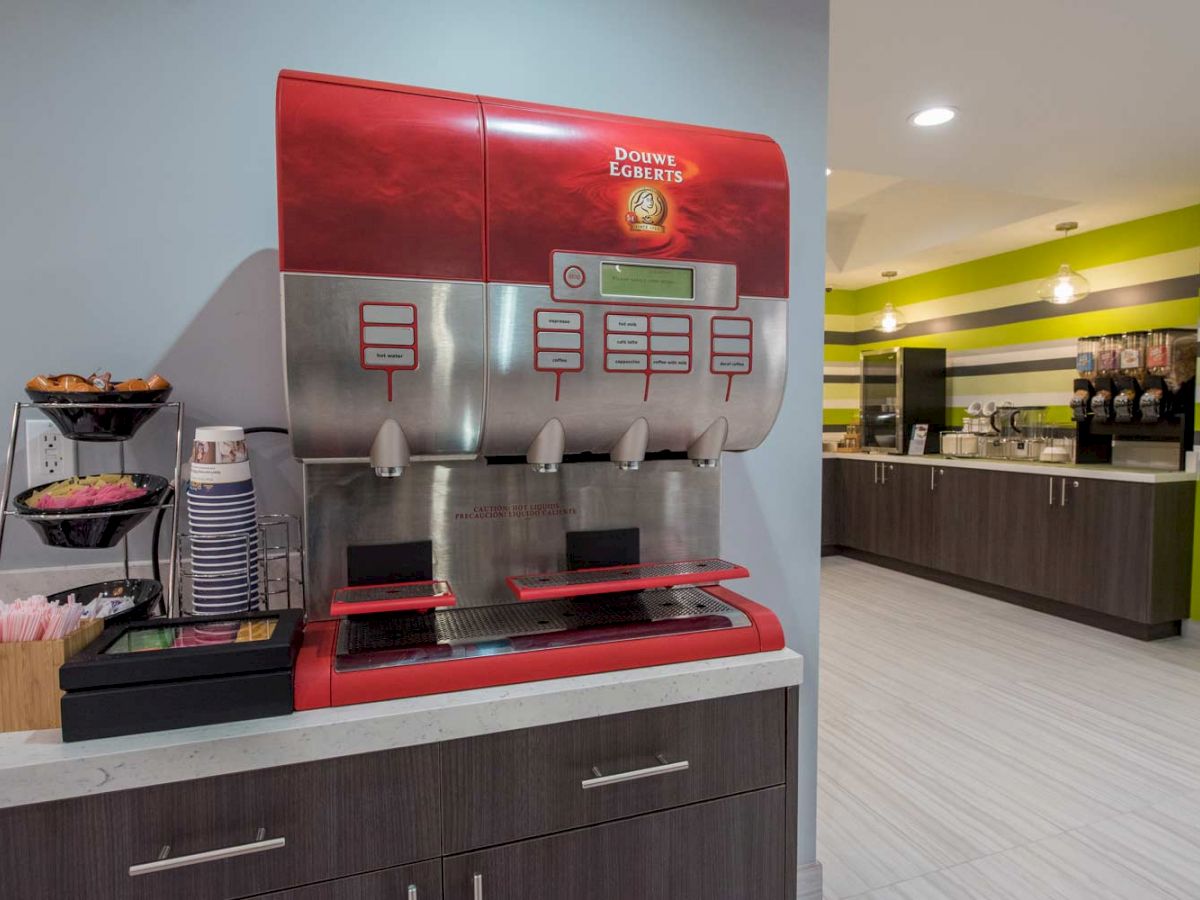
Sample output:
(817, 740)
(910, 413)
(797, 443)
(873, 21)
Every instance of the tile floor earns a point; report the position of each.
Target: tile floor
(974, 750)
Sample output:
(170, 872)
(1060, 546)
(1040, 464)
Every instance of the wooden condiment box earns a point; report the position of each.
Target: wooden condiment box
(29, 691)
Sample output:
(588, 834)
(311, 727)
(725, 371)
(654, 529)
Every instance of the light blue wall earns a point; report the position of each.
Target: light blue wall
(138, 201)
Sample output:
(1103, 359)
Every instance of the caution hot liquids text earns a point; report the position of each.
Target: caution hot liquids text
(518, 511)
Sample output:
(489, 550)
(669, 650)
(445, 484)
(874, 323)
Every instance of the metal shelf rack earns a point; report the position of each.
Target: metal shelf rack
(169, 501)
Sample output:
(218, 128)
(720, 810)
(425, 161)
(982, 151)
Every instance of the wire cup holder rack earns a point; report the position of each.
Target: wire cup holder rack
(274, 567)
(169, 500)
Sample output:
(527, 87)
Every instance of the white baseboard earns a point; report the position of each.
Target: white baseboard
(1191, 628)
(809, 882)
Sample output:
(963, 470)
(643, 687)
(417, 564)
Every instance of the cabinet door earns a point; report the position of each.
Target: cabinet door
(1104, 536)
(1021, 544)
(960, 507)
(420, 882)
(860, 510)
(830, 503)
(909, 514)
(729, 849)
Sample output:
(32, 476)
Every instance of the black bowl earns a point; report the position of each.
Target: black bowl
(82, 423)
(144, 592)
(67, 528)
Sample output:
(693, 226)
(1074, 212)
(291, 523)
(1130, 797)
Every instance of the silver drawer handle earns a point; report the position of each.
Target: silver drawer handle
(621, 777)
(165, 861)
(477, 881)
(412, 892)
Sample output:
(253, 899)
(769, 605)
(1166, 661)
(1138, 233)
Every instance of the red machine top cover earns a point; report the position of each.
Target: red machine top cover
(379, 179)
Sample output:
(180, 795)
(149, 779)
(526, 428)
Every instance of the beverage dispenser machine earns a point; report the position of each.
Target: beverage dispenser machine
(518, 341)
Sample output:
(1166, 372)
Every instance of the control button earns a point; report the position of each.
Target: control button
(731, 345)
(672, 363)
(567, 321)
(574, 276)
(559, 340)
(731, 364)
(670, 324)
(627, 342)
(397, 335)
(626, 362)
(670, 344)
(619, 322)
(396, 357)
(388, 315)
(731, 327)
(559, 361)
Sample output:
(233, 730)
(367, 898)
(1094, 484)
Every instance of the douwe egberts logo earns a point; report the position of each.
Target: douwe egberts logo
(647, 210)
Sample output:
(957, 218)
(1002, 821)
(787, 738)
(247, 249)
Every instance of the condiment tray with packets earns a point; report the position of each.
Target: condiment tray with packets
(160, 674)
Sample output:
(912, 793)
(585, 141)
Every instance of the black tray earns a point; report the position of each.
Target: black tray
(144, 592)
(93, 668)
(139, 708)
(93, 527)
(75, 413)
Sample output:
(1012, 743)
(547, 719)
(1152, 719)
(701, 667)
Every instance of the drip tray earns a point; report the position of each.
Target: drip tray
(408, 638)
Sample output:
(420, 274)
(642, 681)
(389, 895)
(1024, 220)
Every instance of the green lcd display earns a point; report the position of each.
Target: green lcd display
(654, 282)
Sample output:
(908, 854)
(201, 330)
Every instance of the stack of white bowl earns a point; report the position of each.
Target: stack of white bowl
(223, 523)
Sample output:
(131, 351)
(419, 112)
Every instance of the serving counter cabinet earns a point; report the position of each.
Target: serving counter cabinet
(688, 802)
(1113, 553)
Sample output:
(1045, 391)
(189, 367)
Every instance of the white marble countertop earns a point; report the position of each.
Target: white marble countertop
(36, 766)
(1099, 472)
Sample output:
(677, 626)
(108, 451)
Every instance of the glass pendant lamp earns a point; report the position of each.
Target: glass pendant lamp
(889, 320)
(1066, 285)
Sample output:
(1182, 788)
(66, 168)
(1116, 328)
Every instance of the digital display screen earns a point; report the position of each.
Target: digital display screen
(656, 282)
(208, 634)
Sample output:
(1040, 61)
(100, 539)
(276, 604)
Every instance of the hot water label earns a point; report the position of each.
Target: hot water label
(387, 338)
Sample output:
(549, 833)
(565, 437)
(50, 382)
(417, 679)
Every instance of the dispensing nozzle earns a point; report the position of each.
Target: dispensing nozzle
(629, 451)
(705, 451)
(389, 451)
(546, 452)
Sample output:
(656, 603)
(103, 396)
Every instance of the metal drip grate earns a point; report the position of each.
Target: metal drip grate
(483, 624)
(698, 567)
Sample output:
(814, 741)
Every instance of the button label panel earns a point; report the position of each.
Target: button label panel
(560, 361)
(387, 338)
(731, 327)
(668, 338)
(625, 362)
(559, 340)
(731, 365)
(740, 346)
(560, 321)
(388, 314)
(671, 362)
(627, 342)
(671, 325)
(389, 335)
(390, 357)
(618, 322)
(731, 345)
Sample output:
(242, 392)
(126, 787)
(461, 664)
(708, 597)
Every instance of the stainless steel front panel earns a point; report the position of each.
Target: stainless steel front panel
(487, 522)
(596, 406)
(336, 406)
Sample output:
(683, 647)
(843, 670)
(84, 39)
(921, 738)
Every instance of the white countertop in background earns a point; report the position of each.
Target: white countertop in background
(1100, 472)
(36, 766)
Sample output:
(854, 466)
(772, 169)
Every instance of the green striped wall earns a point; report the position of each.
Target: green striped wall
(1004, 345)
(1144, 274)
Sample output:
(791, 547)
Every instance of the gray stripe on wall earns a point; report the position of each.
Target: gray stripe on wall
(1114, 298)
(1066, 364)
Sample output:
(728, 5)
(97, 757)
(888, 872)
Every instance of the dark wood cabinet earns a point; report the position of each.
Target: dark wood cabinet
(516, 784)
(335, 817)
(728, 849)
(700, 805)
(1113, 553)
(420, 882)
(830, 505)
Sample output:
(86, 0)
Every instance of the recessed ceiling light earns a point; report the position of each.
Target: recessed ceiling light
(935, 115)
(828, 171)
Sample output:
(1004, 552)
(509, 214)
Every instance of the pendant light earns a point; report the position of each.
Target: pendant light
(1065, 286)
(889, 320)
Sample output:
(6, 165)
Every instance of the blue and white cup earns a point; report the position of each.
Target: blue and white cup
(223, 523)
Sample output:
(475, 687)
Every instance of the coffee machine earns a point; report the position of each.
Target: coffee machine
(519, 340)
(1133, 400)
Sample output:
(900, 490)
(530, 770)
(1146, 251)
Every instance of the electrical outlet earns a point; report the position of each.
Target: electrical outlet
(48, 455)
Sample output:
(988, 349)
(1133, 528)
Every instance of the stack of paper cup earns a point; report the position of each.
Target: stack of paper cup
(223, 522)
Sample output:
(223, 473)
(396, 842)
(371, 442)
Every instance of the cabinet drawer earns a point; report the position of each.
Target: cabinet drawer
(729, 849)
(336, 817)
(420, 882)
(519, 784)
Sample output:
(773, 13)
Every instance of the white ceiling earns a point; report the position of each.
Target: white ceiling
(1069, 109)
